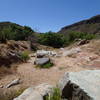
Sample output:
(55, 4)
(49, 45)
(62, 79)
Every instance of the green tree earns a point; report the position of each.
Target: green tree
(52, 39)
(80, 35)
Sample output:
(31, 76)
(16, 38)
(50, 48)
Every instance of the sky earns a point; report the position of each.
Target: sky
(47, 15)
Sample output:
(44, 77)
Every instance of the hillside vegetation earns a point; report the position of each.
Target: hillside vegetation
(12, 31)
(59, 40)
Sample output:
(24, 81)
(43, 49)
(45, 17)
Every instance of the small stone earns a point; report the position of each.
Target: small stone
(14, 82)
(1, 86)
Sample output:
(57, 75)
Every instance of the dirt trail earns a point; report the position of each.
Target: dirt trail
(34, 76)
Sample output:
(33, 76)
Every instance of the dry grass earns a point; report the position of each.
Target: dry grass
(5, 71)
(93, 46)
(10, 95)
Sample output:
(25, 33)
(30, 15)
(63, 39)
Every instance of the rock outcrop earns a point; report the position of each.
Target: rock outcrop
(84, 85)
(9, 52)
(91, 25)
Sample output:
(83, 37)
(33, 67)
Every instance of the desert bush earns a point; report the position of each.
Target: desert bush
(15, 32)
(55, 96)
(57, 40)
(52, 39)
(22, 33)
(79, 35)
(24, 56)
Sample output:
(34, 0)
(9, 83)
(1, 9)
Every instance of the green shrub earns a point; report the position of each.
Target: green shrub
(80, 35)
(24, 56)
(55, 96)
(52, 39)
(59, 40)
(22, 33)
(15, 32)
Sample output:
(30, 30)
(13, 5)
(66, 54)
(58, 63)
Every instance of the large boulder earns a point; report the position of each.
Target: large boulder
(84, 41)
(41, 61)
(84, 85)
(36, 93)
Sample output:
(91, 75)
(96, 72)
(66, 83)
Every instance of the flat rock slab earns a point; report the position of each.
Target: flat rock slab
(36, 93)
(29, 94)
(88, 81)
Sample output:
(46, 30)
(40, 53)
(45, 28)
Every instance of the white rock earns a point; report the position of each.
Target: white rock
(46, 53)
(14, 82)
(44, 89)
(71, 51)
(29, 94)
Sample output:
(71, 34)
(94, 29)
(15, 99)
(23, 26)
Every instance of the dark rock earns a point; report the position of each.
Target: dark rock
(41, 61)
(82, 42)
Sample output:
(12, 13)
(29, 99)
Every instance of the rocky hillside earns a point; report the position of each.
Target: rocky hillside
(91, 25)
(9, 52)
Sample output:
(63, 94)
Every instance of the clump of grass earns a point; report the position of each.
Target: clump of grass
(55, 96)
(24, 56)
(47, 65)
(62, 68)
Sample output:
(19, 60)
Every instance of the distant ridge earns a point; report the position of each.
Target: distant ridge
(91, 25)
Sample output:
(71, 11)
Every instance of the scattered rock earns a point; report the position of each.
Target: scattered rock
(14, 82)
(44, 89)
(9, 52)
(36, 93)
(84, 85)
(1, 86)
(43, 53)
(62, 49)
(82, 42)
(71, 51)
(41, 61)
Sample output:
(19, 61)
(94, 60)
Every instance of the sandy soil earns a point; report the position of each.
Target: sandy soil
(30, 75)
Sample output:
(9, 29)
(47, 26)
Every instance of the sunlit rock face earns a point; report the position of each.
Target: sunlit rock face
(84, 85)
